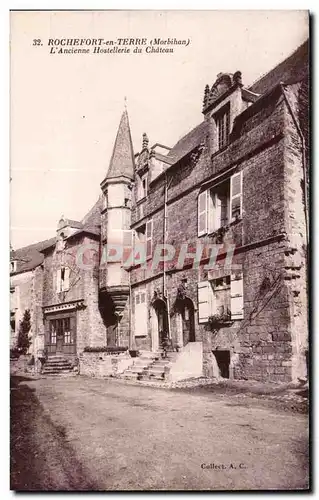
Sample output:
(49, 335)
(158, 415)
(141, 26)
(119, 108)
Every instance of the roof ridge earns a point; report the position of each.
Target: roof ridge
(260, 78)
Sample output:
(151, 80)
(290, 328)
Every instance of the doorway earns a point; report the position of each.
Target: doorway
(188, 321)
(159, 323)
(223, 362)
(61, 335)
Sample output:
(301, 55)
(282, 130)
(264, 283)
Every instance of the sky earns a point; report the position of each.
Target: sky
(65, 108)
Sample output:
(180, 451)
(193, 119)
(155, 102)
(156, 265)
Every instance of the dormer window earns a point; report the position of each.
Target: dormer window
(142, 187)
(63, 279)
(13, 266)
(60, 245)
(222, 125)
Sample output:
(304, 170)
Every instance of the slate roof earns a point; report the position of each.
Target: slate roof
(93, 217)
(122, 159)
(164, 158)
(187, 143)
(30, 257)
(73, 223)
(292, 69)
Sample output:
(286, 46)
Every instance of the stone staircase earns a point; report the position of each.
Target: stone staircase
(159, 369)
(149, 366)
(57, 365)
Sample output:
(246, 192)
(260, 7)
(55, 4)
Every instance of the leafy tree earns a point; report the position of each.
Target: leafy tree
(24, 341)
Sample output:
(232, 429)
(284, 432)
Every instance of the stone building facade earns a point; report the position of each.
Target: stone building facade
(201, 244)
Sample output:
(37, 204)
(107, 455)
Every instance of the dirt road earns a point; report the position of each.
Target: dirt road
(88, 434)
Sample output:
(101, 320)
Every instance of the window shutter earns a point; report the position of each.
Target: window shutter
(204, 301)
(58, 280)
(149, 238)
(202, 213)
(140, 314)
(66, 281)
(237, 296)
(236, 198)
(218, 212)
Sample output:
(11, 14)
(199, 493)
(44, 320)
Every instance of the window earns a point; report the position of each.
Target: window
(140, 323)
(222, 297)
(139, 251)
(60, 243)
(13, 266)
(236, 198)
(53, 331)
(62, 328)
(140, 234)
(220, 205)
(142, 187)
(104, 200)
(13, 299)
(222, 124)
(143, 242)
(63, 279)
(67, 331)
(12, 321)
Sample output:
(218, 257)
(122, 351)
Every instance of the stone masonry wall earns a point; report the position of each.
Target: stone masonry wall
(101, 364)
(261, 344)
(296, 254)
(83, 285)
(23, 287)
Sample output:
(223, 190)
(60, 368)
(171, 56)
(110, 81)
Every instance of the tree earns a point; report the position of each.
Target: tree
(24, 341)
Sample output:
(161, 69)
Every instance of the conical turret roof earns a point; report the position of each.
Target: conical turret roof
(122, 159)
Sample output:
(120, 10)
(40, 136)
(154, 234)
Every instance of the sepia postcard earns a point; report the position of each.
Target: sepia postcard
(159, 186)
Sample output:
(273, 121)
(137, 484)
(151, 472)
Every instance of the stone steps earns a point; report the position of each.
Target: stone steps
(57, 365)
(141, 363)
(158, 369)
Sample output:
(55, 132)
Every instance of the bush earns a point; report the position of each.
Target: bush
(24, 341)
(14, 353)
(110, 349)
(134, 353)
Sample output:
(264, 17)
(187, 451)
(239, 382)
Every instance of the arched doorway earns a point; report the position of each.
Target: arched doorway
(186, 321)
(159, 323)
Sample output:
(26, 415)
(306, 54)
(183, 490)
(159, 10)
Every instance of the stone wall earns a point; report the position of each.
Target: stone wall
(84, 285)
(264, 345)
(102, 364)
(23, 285)
(21, 365)
(295, 219)
(188, 363)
